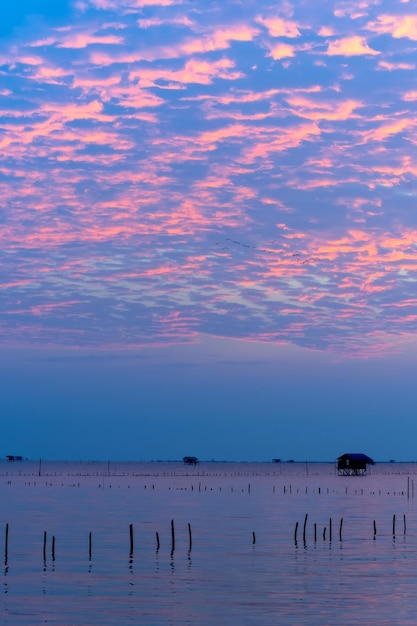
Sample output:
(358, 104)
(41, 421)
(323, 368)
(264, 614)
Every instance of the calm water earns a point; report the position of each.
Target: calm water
(226, 577)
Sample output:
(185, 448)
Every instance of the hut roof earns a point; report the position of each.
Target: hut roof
(357, 456)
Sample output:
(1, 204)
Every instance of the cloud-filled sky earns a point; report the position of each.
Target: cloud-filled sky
(193, 195)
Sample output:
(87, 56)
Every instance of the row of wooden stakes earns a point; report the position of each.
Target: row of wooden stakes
(90, 542)
(341, 528)
(190, 540)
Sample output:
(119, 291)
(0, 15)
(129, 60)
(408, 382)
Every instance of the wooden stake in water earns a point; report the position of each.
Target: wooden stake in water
(304, 528)
(157, 541)
(340, 529)
(6, 544)
(374, 529)
(253, 538)
(393, 525)
(405, 525)
(44, 545)
(295, 532)
(330, 529)
(53, 547)
(131, 539)
(190, 538)
(90, 546)
(172, 536)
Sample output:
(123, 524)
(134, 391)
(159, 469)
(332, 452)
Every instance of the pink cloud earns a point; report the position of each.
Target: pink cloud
(117, 5)
(278, 27)
(219, 39)
(310, 109)
(157, 21)
(352, 11)
(385, 65)
(134, 96)
(48, 74)
(82, 40)
(396, 25)
(350, 46)
(30, 60)
(389, 129)
(147, 3)
(281, 51)
(410, 96)
(47, 41)
(268, 141)
(326, 31)
(194, 71)
(65, 112)
(95, 84)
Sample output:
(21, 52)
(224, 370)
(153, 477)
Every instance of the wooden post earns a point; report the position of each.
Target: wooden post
(304, 528)
(374, 529)
(90, 546)
(295, 532)
(190, 539)
(44, 545)
(131, 539)
(157, 541)
(53, 547)
(6, 544)
(315, 532)
(405, 525)
(340, 529)
(330, 529)
(393, 525)
(172, 536)
(253, 538)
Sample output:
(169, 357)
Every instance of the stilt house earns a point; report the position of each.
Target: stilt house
(190, 460)
(353, 464)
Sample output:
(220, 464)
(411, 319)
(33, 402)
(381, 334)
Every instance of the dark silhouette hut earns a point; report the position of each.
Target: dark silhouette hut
(190, 460)
(353, 464)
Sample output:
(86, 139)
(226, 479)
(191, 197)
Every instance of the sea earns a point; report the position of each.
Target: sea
(236, 544)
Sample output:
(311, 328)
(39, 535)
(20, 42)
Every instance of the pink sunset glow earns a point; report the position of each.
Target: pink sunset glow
(176, 175)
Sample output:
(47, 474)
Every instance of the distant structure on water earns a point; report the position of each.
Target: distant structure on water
(353, 464)
(190, 460)
(14, 457)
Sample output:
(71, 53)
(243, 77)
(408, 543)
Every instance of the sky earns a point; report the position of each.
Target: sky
(208, 229)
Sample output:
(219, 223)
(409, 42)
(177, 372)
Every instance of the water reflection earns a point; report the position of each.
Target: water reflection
(211, 568)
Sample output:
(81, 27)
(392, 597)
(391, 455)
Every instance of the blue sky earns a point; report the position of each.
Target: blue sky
(208, 232)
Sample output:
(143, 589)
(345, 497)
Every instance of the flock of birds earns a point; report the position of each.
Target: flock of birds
(298, 257)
